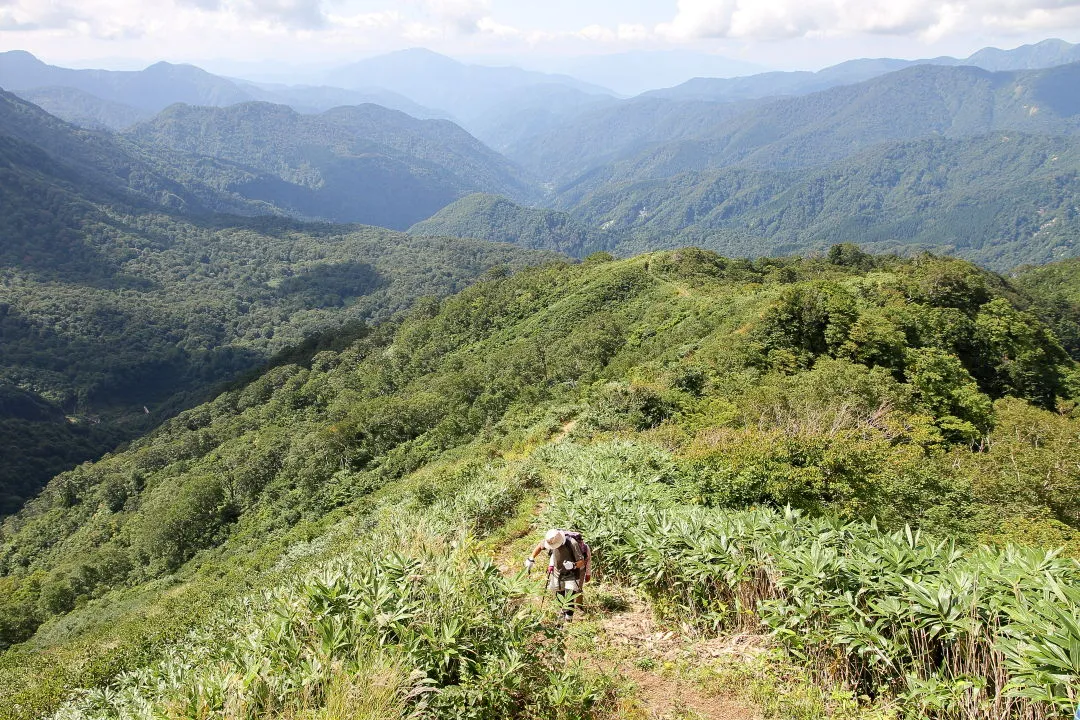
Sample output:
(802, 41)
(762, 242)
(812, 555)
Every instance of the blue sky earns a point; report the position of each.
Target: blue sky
(781, 34)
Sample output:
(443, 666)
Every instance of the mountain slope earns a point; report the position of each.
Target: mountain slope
(493, 218)
(351, 164)
(1056, 290)
(116, 310)
(1000, 200)
(149, 90)
(316, 99)
(466, 91)
(83, 109)
(917, 102)
(846, 388)
(1042, 55)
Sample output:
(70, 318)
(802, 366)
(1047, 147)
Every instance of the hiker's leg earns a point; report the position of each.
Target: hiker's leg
(567, 612)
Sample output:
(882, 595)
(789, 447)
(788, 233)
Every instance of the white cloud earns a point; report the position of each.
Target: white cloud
(489, 26)
(38, 15)
(292, 14)
(929, 19)
(459, 16)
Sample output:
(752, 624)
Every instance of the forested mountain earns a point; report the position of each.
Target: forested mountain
(1045, 54)
(956, 160)
(49, 158)
(1056, 290)
(917, 392)
(999, 200)
(636, 71)
(494, 218)
(115, 308)
(116, 100)
(807, 130)
(351, 164)
(583, 146)
(1042, 55)
(778, 83)
(320, 98)
(525, 113)
(149, 90)
(83, 109)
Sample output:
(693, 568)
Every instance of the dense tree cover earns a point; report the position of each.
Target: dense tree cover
(83, 109)
(350, 164)
(1056, 290)
(1000, 200)
(117, 310)
(167, 319)
(653, 137)
(490, 217)
(853, 386)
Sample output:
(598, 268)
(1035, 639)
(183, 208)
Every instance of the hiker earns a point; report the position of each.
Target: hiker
(569, 566)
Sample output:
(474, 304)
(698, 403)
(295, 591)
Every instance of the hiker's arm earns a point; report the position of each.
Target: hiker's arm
(532, 558)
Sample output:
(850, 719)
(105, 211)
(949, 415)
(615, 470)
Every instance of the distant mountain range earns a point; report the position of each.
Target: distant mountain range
(948, 158)
(491, 102)
(1048, 53)
(653, 137)
(351, 164)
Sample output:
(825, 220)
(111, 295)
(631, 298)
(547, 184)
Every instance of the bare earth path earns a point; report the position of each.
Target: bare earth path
(632, 647)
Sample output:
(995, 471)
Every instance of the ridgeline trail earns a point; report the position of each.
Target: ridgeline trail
(619, 636)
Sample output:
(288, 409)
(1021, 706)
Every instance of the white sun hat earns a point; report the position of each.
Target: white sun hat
(554, 539)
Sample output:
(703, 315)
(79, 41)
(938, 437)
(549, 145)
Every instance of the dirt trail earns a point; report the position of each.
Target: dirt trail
(567, 428)
(631, 646)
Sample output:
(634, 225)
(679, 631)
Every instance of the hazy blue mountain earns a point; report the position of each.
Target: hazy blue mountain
(105, 167)
(118, 99)
(83, 109)
(568, 152)
(319, 98)
(490, 217)
(631, 73)
(1046, 54)
(466, 91)
(527, 112)
(152, 89)
(800, 131)
(771, 84)
(351, 164)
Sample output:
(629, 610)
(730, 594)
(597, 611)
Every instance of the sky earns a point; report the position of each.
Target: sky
(772, 34)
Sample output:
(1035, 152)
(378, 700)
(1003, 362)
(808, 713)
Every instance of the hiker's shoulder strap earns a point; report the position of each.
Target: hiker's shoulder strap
(575, 548)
